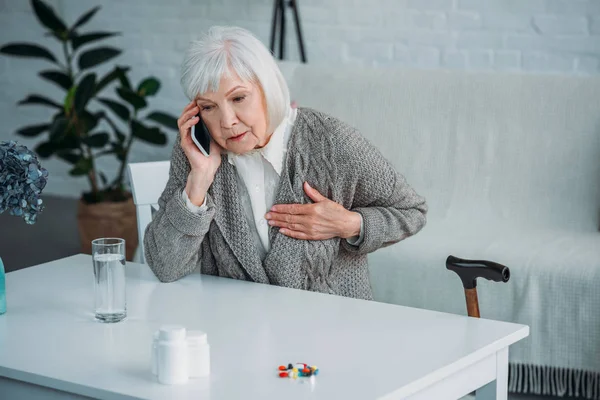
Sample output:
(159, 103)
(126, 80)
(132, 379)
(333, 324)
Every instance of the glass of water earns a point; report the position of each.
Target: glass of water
(108, 255)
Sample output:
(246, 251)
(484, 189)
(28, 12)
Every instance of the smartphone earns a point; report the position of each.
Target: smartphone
(201, 136)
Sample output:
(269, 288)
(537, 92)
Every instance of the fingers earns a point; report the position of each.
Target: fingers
(285, 218)
(187, 116)
(296, 234)
(301, 224)
(314, 193)
(192, 112)
(189, 123)
(188, 108)
(297, 209)
(291, 227)
(185, 123)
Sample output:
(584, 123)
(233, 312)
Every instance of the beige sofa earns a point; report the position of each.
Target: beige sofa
(510, 166)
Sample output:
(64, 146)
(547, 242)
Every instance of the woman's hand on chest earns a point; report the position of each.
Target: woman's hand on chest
(321, 220)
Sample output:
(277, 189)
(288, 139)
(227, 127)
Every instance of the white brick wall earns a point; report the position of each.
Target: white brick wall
(546, 36)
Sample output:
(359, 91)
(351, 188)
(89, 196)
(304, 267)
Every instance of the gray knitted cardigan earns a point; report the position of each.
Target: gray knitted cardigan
(336, 160)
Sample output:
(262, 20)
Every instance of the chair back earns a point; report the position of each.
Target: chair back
(148, 181)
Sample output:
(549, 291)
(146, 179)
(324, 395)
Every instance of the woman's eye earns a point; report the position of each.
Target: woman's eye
(239, 98)
(205, 108)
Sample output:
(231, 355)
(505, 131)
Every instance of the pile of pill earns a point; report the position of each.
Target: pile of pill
(296, 370)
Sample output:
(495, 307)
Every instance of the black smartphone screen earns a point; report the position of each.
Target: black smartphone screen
(201, 135)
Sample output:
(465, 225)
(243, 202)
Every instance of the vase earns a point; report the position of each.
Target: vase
(2, 288)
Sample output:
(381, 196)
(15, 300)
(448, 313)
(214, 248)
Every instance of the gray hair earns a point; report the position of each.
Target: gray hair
(210, 58)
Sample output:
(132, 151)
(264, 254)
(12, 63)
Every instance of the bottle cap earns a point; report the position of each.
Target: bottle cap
(196, 338)
(172, 332)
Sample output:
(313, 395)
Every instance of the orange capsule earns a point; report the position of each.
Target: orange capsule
(283, 375)
(306, 370)
(282, 368)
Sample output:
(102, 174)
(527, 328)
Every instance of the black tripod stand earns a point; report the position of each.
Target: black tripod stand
(279, 21)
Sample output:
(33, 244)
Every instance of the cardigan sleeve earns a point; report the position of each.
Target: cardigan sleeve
(173, 240)
(391, 209)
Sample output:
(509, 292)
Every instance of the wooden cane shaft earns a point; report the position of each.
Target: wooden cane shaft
(472, 302)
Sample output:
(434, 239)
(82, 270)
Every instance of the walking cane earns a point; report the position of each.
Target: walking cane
(469, 270)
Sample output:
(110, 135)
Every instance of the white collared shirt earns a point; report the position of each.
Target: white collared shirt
(258, 173)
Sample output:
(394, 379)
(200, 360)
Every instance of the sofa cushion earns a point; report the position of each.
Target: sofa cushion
(554, 286)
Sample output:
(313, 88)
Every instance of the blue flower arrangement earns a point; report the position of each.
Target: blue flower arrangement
(22, 180)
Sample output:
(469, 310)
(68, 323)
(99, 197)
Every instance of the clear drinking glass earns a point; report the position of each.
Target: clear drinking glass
(108, 255)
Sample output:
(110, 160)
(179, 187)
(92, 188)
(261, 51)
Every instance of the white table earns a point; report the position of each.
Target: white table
(364, 350)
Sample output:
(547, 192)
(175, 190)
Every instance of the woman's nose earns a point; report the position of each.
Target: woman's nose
(228, 118)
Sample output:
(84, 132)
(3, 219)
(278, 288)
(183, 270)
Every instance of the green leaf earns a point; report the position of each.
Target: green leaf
(58, 77)
(37, 99)
(150, 135)
(132, 98)
(97, 140)
(27, 50)
(85, 18)
(69, 99)
(80, 40)
(69, 156)
(91, 58)
(125, 81)
(164, 119)
(47, 17)
(148, 87)
(69, 142)
(83, 167)
(33, 130)
(119, 151)
(117, 108)
(85, 91)
(111, 76)
(120, 136)
(58, 129)
(59, 114)
(90, 121)
(45, 149)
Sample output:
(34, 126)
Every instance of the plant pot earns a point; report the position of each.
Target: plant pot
(108, 219)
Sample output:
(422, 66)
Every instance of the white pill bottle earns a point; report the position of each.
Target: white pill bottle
(172, 355)
(199, 353)
(155, 338)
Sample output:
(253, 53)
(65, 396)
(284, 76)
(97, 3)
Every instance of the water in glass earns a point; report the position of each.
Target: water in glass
(109, 275)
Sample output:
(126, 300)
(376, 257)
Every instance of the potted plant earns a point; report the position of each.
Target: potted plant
(22, 180)
(80, 136)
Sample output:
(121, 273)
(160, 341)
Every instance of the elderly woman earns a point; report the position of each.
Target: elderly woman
(287, 196)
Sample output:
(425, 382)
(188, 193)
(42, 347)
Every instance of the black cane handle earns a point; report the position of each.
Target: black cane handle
(469, 270)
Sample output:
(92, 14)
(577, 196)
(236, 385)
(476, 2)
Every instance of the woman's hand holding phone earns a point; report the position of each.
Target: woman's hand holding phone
(203, 168)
